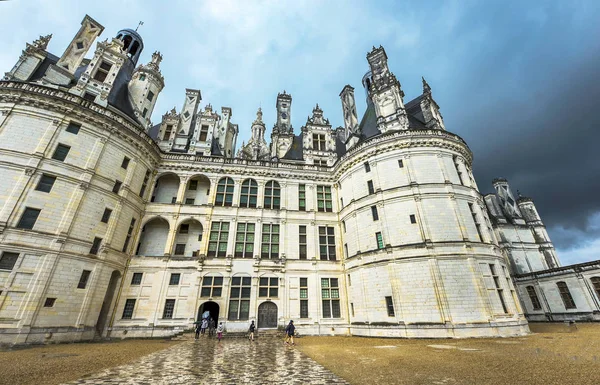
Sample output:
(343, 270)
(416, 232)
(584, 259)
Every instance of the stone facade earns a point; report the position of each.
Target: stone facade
(112, 226)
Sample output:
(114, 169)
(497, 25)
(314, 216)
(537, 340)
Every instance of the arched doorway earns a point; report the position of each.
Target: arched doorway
(211, 307)
(267, 315)
(108, 297)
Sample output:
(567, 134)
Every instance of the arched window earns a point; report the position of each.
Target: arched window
(534, 298)
(134, 48)
(272, 195)
(249, 193)
(566, 296)
(596, 283)
(224, 192)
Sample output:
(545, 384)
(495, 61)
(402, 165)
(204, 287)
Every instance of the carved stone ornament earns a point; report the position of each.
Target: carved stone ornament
(29, 171)
(39, 44)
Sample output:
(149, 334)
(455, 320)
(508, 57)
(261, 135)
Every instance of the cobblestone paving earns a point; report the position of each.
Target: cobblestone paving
(233, 361)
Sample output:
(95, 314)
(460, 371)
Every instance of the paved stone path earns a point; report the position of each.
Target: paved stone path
(233, 361)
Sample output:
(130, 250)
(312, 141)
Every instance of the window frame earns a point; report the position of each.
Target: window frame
(245, 236)
(174, 279)
(73, 128)
(533, 298)
(224, 193)
(45, 183)
(324, 199)
(302, 197)
(379, 240)
(268, 230)
(303, 295)
(214, 290)
(96, 243)
(220, 229)
(83, 279)
(243, 287)
(28, 220)
(106, 215)
(327, 246)
(389, 305)
(61, 152)
(11, 260)
(270, 289)
(136, 279)
(169, 308)
(272, 196)
(374, 213)
(248, 192)
(566, 296)
(302, 243)
(128, 308)
(102, 71)
(330, 298)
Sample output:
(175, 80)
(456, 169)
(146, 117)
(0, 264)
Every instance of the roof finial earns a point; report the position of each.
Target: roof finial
(139, 25)
(426, 88)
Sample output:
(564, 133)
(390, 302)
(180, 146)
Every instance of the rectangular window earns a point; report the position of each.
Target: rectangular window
(190, 201)
(370, 187)
(169, 308)
(28, 219)
(390, 307)
(330, 297)
(303, 297)
(49, 302)
(324, 202)
(367, 167)
(150, 96)
(145, 183)
(168, 131)
(145, 112)
(413, 218)
(458, 172)
(319, 142)
(117, 186)
(344, 226)
(211, 287)
(499, 290)
(128, 309)
(89, 97)
(379, 239)
(136, 279)
(244, 240)
(129, 234)
(95, 246)
(180, 249)
(8, 260)
(193, 185)
(346, 250)
(400, 163)
(184, 228)
(268, 287)
(217, 243)
(203, 133)
(327, 243)
(83, 280)
(106, 215)
(352, 309)
(320, 162)
(302, 197)
(102, 71)
(125, 163)
(566, 296)
(476, 222)
(239, 299)
(61, 152)
(302, 242)
(73, 128)
(374, 213)
(342, 203)
(174, 279)
(270, 241)
(174, 200)
(535, 302)
(45, 184)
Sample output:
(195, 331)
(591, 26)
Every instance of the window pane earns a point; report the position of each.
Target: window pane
(245, 292)
(246, 281)
(217, 292)
(235, 292)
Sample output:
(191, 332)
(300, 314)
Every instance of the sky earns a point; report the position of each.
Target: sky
(519, 81)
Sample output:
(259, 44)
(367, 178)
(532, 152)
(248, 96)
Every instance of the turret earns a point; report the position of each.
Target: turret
(256, 148)
(282, 135)
(386, 93)
(145, 85)
(534, 221)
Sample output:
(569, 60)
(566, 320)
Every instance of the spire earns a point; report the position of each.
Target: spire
(156, 60)
(426, 88)
(259, 115)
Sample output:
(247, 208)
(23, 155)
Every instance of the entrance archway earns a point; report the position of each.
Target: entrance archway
(211, 307)
(267, 315)
(108, 297)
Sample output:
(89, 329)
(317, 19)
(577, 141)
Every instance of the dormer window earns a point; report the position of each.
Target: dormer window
(203, 132)
(168, 131)
(102, 71)
(319, 142)
(142, 77)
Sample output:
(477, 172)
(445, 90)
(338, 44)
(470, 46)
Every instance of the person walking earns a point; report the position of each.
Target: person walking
(220, 331)
(197, 330)
(251, 330)
(203, 326)
(289, 333)
(211, 327)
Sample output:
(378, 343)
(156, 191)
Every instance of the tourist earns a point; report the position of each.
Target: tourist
(220, 331)
(289, 333)
(251, 331)
(211, 327)
(197, 330)
(203, 326)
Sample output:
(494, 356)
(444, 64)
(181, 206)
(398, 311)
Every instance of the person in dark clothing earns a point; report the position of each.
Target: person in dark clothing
(211, 327)
(197, 331)
(289, 333)
(251, 330)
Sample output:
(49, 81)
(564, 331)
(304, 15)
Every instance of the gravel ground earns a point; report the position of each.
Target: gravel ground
(55, 364)
(554, 354)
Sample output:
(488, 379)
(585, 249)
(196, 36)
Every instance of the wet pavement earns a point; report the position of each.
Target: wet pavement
(231, 361)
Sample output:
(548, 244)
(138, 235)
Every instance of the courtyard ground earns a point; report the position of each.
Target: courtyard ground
(554, 354)
(54, 364)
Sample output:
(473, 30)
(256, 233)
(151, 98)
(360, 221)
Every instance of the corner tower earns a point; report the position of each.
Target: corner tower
(145, 85)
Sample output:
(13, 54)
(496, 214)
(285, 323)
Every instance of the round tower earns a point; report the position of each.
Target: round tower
(145, 85)
(133, 45)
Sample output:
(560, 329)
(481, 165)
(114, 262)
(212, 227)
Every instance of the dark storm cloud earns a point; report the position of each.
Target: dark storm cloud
(523, 90)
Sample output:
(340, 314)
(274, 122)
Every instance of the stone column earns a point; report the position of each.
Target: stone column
(171, 237)
(182, 188)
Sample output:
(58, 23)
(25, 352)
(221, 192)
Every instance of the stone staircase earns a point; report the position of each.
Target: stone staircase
(266, 333)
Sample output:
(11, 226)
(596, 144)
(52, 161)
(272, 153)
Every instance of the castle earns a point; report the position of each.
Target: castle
(111, 226)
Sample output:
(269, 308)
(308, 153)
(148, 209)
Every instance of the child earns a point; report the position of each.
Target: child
(220, 331)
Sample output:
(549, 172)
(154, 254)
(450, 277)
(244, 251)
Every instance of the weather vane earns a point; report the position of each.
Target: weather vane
(139, 25)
